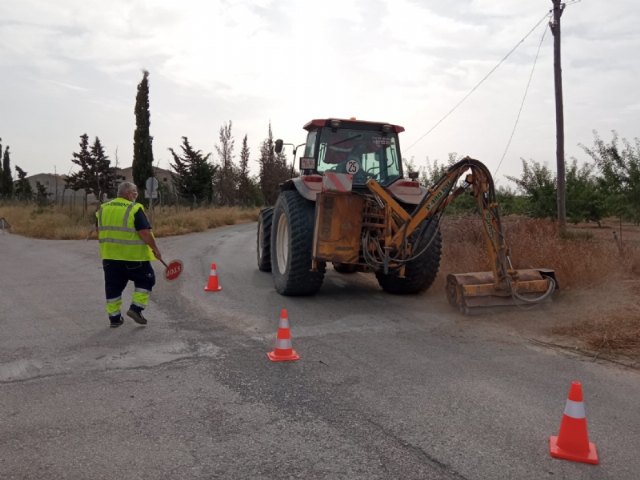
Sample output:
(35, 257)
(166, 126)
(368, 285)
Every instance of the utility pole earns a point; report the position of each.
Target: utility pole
(558, 8)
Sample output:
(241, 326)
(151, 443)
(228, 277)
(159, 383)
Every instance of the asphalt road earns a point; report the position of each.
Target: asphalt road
(387, 387)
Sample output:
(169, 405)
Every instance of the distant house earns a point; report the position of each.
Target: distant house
(163, 176)
(53, 183)
(56, 188)
(56, 185)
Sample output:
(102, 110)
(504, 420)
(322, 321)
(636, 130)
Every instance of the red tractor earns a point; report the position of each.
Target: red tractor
(352, 207)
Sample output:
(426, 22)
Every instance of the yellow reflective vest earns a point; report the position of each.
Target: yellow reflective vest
(117, 234)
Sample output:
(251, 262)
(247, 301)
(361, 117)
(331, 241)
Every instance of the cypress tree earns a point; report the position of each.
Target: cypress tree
(7, 178)
(142, 165)
(248, 186)
(244, 182)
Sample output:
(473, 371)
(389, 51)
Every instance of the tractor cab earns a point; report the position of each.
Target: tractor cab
(363, 149)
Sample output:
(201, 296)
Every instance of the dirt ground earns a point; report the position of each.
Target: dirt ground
(598, 317)
(604, 320)
(592, 322)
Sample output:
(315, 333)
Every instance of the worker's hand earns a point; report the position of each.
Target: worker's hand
(156, 253)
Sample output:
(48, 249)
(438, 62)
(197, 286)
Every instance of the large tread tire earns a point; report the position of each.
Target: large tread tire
(291, 246)
(420, 273)
(264, 239)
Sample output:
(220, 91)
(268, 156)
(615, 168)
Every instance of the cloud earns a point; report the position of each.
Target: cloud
(72, 66)
(69, 86)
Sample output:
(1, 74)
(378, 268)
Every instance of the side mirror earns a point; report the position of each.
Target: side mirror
(414, 175)
(278, 147)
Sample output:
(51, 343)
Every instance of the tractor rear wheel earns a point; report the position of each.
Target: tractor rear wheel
(291, 246)
(420, 272)
(264, 239)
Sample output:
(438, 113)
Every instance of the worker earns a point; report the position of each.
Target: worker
(127, 247)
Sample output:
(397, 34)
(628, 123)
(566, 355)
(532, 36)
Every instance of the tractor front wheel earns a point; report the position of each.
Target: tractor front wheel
(291, 246)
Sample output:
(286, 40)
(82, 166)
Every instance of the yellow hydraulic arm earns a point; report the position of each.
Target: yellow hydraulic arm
(503, 280)
(401, 224)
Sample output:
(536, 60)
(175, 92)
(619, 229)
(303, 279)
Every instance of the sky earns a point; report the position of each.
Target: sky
(72, 67)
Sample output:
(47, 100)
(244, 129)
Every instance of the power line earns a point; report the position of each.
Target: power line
(480, 82)
(526, 90)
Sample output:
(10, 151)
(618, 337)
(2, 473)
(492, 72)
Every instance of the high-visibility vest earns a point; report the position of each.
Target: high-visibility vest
(117, 235)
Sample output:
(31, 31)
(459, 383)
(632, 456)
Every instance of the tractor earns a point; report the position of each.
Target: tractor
(352, 206)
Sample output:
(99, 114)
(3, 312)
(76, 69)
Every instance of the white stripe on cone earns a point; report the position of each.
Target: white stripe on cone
(283, 344)
(574, 409)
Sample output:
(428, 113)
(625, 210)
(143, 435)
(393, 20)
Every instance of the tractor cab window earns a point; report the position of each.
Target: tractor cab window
(363, 153)
(310, 146)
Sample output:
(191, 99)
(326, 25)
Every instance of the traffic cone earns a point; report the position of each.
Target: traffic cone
(212, 285)
(572, 443)
(284, 350)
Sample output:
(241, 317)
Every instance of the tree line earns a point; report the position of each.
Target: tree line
(609, 185)
(196, 178)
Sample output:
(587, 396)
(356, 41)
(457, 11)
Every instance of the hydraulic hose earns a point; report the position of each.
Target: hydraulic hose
(544, 296)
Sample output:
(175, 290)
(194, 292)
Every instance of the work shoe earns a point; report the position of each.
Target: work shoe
(137, 317)
(116, 321)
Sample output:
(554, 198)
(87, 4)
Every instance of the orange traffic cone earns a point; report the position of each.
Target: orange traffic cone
(572, 443)
(212, 285)
(284, 350)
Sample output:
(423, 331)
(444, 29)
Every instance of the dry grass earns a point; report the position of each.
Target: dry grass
(585, 259)
(179, 220)
(618, 332)
(612, 324)
(580, 261)
(51, 223)
(63, 223)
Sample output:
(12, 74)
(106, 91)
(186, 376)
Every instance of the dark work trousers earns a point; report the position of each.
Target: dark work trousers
(117, 273)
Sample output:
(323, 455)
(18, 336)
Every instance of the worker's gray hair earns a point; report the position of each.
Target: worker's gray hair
(126, 187)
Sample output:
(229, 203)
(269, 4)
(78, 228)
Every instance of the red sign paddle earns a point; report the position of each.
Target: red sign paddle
(173, 269)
